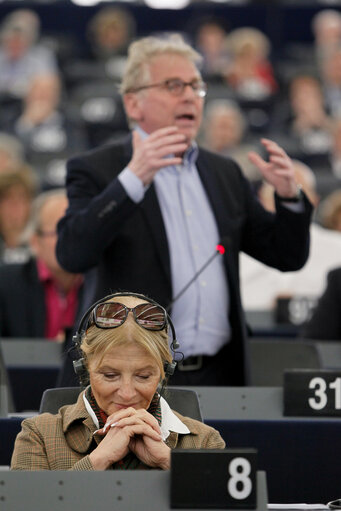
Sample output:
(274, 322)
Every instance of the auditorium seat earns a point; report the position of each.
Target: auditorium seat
(183, 401)
(240, 403)
(6, 399)
(329, 353)
(32, 366)
(269, 358)
(99, 109)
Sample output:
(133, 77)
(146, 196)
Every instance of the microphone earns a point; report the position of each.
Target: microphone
(219, 249)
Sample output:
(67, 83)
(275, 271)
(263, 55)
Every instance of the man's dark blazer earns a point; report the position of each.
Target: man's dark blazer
(325, 323)
(128, 243)
(22, 301)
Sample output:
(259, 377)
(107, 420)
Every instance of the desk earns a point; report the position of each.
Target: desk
(240, 403)
(245, 403)
(301, 457)
(119, 490)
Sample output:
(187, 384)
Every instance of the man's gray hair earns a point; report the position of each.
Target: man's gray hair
(141, 52)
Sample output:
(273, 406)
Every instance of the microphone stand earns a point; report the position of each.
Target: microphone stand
(220, 249)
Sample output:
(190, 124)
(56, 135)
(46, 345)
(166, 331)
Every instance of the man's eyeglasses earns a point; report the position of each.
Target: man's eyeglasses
(114, 314)
(176, 87)
(46, 234)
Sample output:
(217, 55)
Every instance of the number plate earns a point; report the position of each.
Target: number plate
(214, 478)
(312, 393)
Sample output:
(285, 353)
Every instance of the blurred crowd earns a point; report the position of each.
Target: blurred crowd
(54, 103)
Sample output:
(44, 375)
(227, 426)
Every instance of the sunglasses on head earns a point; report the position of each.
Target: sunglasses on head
(114, 314)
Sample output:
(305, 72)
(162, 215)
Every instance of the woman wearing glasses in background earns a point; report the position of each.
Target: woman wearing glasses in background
(119, 421)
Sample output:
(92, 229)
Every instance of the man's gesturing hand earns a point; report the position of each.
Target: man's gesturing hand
(278, 171)
(149, 154)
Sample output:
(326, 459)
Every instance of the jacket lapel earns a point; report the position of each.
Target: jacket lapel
(78, 426)
(151, 210)
(219, 206)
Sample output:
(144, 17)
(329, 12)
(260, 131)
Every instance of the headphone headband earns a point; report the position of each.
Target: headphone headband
(79, 365)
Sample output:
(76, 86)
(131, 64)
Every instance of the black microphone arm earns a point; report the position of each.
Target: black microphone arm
(219, 249)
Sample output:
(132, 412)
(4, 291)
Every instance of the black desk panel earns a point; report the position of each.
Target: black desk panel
(28, 385)
(9, 428)
(301, 457)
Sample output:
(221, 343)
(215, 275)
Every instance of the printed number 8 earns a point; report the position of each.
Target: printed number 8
(239, 470)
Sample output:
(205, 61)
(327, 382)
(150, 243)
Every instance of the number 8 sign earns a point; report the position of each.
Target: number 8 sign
(239, 485)
(220, 479)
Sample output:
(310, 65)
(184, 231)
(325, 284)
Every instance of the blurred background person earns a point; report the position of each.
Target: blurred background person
(39, 292)
(49, 131)
(210, 41)
(11, 152)
(325, 321)
(335, 152)
(329, 211)
(250, 73)
(17, 190)
(43, 123)
(225, 131)
(224, 126)
(326, 28)
(21, 55)
(110, 31)
(262, 287)
(302, 121)
(330, 75)
(298, 55)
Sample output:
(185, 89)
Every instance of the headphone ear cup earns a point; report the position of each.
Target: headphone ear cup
(170, 368)
(77, 339)
(81, 371)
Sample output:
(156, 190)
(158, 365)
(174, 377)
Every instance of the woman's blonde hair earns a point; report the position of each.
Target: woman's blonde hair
(97, 341)
(246, 40)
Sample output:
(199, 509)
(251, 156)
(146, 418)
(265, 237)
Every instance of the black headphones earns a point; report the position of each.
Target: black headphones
(79, 365)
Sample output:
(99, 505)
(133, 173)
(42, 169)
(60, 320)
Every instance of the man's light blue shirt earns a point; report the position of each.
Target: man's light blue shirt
(200, 315)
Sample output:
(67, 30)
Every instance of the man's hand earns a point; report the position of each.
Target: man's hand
(149, 154)
(278, 171)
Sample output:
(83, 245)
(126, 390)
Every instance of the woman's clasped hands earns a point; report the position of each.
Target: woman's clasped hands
(131, 430)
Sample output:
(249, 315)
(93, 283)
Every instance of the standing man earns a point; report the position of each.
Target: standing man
(148, 212)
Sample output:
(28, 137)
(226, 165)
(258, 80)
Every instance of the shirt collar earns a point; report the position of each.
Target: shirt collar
(170, 422)
(90, 410)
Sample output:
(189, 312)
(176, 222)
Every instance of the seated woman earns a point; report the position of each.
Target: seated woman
(120, 421)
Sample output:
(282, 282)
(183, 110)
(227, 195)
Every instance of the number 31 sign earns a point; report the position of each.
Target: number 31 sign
(312, 393)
